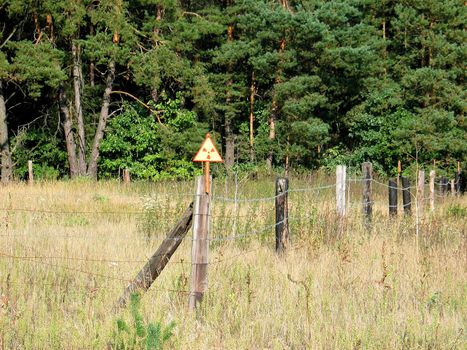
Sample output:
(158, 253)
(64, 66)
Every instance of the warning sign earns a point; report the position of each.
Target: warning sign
(207, 152)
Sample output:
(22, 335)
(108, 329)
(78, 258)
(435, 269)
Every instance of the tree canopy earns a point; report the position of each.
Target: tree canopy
(88, 87)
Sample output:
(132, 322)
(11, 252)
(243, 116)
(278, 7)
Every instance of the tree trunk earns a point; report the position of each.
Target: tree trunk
(92, 167)
(79, 109)
(69, 136)
(252, 115)
(274, 107)
(229, 136)
(4, 141)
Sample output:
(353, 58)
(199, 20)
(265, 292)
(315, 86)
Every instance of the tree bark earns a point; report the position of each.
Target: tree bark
(4, 140)
(69, 135)
(79, 109)
(229, 136)
(274, 107)
(104, 114)
(252, 114)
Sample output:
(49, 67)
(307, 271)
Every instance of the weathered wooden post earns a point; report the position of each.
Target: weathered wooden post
(432, 189)
(420, 191)
(30, 173)
(443, 186)
(282, 215)
(453, 187)
(367, 170)
(200, 246)
(458, 179)
(340, 189)
(392, 192)
(154, 266)
(406, 200)
(399, 171)
(126, 176)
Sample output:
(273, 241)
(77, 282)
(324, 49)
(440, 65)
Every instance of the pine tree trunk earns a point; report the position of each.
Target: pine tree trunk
(229, 136)
(104, 114)
(274, 107)
(79, 109)
(6, 170)
(69, 135)
(252, 115)
(272, 130)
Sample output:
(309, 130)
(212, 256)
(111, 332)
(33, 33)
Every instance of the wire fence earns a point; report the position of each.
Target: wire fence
(238, 217)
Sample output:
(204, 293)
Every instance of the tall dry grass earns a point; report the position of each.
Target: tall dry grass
(68, 249)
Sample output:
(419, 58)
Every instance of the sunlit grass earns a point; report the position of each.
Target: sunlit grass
(68, 249)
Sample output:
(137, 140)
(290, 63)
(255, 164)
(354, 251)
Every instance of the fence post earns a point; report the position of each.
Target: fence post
(406, 200)
(154, 266)
(200, 245)
(432, 189)
(30, 173)
(458, 179)
(420, 191)
(453, 187)
(367, 170)
(282, 215)
(126, 176)
(340, 189)
(392, 191)
(443, 184)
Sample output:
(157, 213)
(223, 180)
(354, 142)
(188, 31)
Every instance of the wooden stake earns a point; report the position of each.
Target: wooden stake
(399, 170)
(392, 196)
(406, 199)
(367, 170)
(200, 247)
(152, 269)
(453, 187)
(420, 191)
(30, 173)
(282, 215)
(126, 176)
(207, 177)
(432, 189)
(340, 189)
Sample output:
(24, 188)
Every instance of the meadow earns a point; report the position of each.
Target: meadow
(68, 249)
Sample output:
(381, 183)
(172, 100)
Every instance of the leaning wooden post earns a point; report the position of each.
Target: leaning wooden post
(420, 191)
(432, 189)
(282, 215)
(392, 194)
(406, 200)
(30, 173)
(200, 246)
(152, 269)
(340, 189)
(367, 170)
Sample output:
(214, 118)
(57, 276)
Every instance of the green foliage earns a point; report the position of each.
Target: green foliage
(344, 81)
(457, 211)
(135, 140)
(46, 153)
(138, 335)
(38, 65)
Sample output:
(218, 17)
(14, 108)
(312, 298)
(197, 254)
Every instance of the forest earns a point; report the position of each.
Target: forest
(90, 87)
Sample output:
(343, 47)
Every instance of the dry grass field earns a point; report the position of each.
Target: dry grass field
(68, 249)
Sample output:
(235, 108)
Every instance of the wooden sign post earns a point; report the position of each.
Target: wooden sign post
(207, 154)
(200, 249)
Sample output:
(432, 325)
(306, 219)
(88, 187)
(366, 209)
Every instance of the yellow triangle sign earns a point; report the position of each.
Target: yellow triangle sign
(207, 152)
